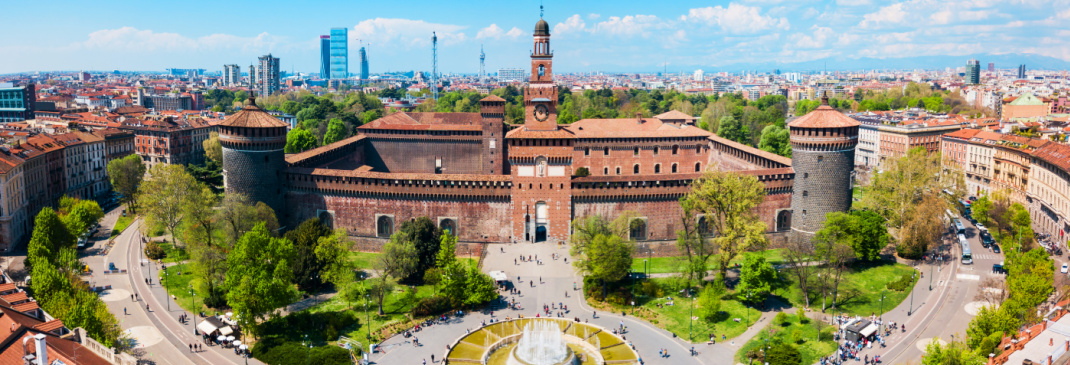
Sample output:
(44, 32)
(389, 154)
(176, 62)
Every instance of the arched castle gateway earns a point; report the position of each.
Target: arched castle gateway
(492, 182)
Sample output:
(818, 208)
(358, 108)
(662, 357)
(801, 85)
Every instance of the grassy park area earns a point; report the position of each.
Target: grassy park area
(177, 280)
(664, 265)
(860, 289)
(800, 334)
(121, 224)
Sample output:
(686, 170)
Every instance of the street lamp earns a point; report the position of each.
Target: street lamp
(308, 348)
(910, 310)
(166, 296)
(646, 268)
(192, 295)
(882, 311)
(931, 276)
(691, 325)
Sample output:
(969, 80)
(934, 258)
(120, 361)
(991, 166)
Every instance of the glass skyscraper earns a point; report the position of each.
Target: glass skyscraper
(325, 57)
(339, 53)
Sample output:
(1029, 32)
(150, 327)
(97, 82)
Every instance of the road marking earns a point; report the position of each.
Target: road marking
(968, 277)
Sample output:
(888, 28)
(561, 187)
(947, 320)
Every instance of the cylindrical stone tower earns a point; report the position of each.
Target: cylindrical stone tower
(253, 158)
(822, 154)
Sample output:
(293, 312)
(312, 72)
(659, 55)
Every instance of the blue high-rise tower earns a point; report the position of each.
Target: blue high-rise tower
(339, 53)
(325, 57)
(363, 65)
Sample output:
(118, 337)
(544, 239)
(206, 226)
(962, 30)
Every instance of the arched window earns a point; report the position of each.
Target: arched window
(384, 226)
(618, 170)
(674, 168)
(657, 168)
(705, 229)
(675, 149)
(605, 151)
(636, 151)
(698, 166)
(656, 149)
(783, 221)
(542, 70)
(638, 230)
(448, 226)
(605, 171)
(635, 169)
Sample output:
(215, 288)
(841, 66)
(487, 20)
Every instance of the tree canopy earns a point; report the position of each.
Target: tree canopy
(126, 175)
(728, 200)
(259, 277)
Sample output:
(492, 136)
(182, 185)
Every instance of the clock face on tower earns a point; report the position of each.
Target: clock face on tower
(541, 113)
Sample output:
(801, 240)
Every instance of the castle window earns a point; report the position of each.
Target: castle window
(805, 193)
(586, 151)
(657, 169)
(638, 229)
(675, 149)
(820, 158)
(674, 168)
(635, 169)
(618, 170)
(605, 171)
(448, 226)
(266, 158)
(656, 150)
(806, 175)
(605, 151)
(637, 151)
(542, 70)
(698, 166)
(384, 226)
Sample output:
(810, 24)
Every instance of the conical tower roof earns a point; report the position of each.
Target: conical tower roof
(251, 116)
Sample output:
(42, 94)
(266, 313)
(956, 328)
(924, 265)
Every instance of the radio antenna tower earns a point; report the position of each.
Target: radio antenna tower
(482, 70)
(434, 65)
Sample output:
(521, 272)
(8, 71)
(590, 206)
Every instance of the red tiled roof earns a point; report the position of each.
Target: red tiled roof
(1056, 154)
(632, 128)
(674, 115)
(26, 307)
(427, 121)
(15, 297)
(6, 287)
(49, 326)
(492, 97)
(559, 133)
(251, 116)
(963, 133)
(824, 117)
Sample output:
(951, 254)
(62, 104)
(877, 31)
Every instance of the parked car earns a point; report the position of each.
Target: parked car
(995, 248)
(998, 268)
(986, 239)
(1065, 269)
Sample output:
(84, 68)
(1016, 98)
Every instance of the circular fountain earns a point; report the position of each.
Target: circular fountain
(541, 343)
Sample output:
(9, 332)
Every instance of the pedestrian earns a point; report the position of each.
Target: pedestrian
(131, 297)
(432, 358)
(191, 348)
(124, 311)
(147, 308)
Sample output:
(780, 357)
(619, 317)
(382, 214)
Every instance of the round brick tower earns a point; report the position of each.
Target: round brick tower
(822, 154)
(253, 157)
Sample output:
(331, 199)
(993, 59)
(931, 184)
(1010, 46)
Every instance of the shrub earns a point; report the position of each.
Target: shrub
(216, 299)
(710, 305)
(651, 289)
(431, 306)
(901, 284)
(295, 353)
(783, 354)
(154, 252)
(801, 313)
(781, 319)
(796, 336)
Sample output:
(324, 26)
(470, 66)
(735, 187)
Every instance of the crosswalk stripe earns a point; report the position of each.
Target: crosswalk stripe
(968, 277)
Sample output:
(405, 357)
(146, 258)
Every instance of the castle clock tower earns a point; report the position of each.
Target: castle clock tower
(540, 97)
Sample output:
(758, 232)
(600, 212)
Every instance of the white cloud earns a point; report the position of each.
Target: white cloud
(736, 18)
(629, 25)
(818, 40)
(571, 25)
(495, 32)
(145, 40)
(593, 16)
(888, 15)
(406, 32)
(853, 2)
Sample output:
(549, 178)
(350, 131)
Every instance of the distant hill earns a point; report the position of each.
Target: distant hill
(1002, 61)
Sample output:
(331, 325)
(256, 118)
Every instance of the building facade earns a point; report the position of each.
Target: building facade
(325, 57)
(339, 53)
(823, 152)
(231, 75)
(973, 72)
(17, 103)
(510, 74)
(268, 75)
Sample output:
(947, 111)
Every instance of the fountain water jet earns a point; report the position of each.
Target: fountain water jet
(541, 343)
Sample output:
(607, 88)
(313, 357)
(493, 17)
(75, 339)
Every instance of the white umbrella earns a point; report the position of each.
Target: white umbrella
(222, 338)
(230, 338)
(237, 343)
(243, 347)
(230, 314)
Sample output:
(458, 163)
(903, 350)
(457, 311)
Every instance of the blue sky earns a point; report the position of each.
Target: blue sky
(587, 35)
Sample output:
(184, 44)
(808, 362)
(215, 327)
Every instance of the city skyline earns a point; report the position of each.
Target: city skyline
(589, 36)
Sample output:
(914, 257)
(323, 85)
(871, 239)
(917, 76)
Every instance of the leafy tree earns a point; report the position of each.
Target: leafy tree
(379, 287)
(258, 278)
(729, 200)
(306, 265)
(954, 353)
(693, 242)
(165, 192)
(989, 320)
(730, 128)
(210, 266)
(126, 175)
(447, 251)
(48, 237)
(832, 246)
(333, 253)
(213, 150)
(709, 302)
(424, 236)
(871, 234)
(923, 229)
(981, 208)
(238, 215)
(398, 258)
(199, 209)
(79, 215)
(300, 140)
(479, 287)
(775, 139)
(757, 278)
(781, 353)
(1029, 281)
(799, 253)
(336, 131)
(606, 259)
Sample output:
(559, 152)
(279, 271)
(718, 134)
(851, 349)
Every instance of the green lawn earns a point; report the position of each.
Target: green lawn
(366, 260)
(801, 335)
(396, 308)
(662, 265)
(174, 254)
(860, 289)
(680, 318)
(178, 285)
(121, 224)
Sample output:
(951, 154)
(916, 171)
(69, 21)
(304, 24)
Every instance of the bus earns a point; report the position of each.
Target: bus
(960, 228)
(967, 256)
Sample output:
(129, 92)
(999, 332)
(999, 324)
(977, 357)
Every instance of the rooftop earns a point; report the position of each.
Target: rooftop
(824, 117)
(251, 116)
(427, 121)
(632, 128)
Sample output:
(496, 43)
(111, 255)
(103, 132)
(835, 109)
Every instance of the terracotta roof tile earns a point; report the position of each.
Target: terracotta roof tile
(427, 121)
(674, 115)
(251, 116)
(823, 117)
(522, 132)
(632, 128)
(49, 326)
(1056, 154)
(963, 133)
(492, 97)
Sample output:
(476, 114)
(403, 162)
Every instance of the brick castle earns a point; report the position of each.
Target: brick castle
(488, 181)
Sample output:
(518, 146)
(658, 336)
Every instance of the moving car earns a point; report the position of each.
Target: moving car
(986, 239)
(998, 268)
(1065, 269)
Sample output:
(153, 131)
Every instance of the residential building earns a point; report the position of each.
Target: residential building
(897, 140)
(13, 221)
(167, 139)
(117, 144)
(511, 74)
(1011, 160)
(35, 174)
(1025, 106)
(231, 75)
(339, 54)
(1021, 72)
(953, 149)
(76, 165)
(867, 153)
(17, 103)
(252, 76)
(55, 159)
(169, 102)
(268, 75)
(979, 154)
(325, 57)
(1049, 190)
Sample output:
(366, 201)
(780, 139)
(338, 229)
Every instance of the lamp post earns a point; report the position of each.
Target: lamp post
(691, 325)
(882, 311)
(646, 268)
(910, 309)
(192, 295)
(931, 276)
(308, 348)
(166, 296)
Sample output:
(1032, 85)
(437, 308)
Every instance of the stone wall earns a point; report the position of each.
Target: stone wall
(257, 174)
(822, 185)
(477, 221)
